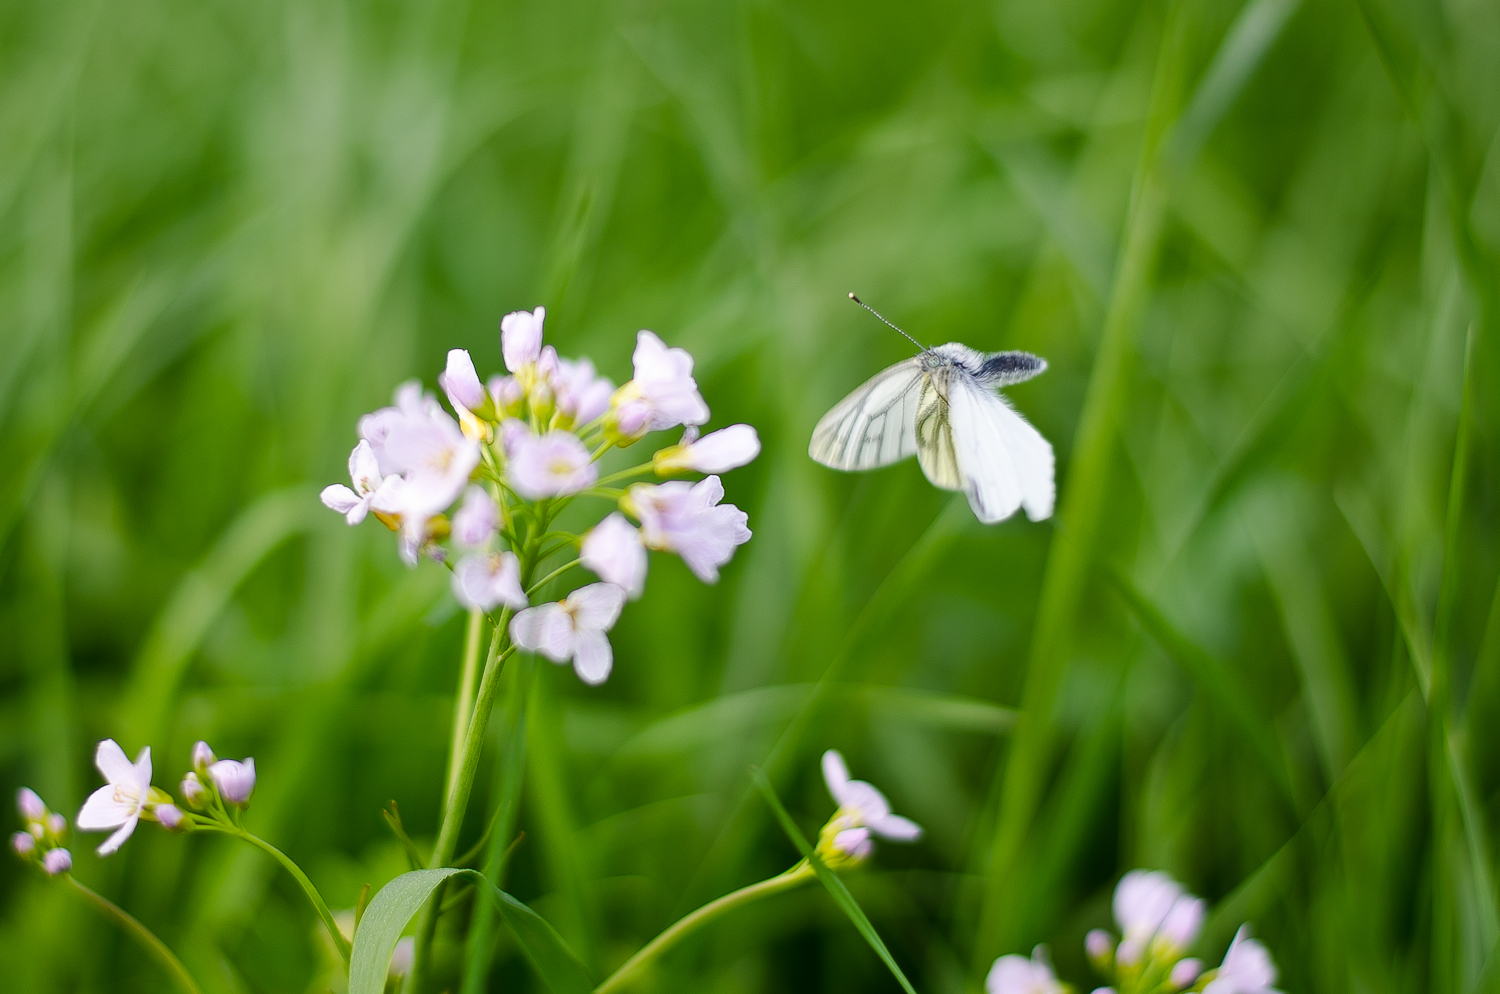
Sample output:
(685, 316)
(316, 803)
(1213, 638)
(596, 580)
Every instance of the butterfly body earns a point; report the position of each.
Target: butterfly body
(942, 406)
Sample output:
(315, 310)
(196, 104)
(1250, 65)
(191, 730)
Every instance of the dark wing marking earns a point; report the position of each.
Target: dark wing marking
(1001, 369)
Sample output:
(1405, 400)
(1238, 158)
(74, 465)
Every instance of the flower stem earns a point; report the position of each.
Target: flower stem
(464, 702)
(625, 474)
(674, 933)
(142, 934)
(552, 576)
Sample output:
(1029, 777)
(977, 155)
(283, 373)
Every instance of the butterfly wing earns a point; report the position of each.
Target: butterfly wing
(934, 433)
(876, 424)
(1005, 462)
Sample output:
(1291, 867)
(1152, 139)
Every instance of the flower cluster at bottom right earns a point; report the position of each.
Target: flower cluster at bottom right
(1159, 921)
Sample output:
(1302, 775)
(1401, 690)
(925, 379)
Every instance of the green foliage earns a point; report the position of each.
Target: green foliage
(1259, 647)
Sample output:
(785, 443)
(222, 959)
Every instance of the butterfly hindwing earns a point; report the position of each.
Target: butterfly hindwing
(1005, 462)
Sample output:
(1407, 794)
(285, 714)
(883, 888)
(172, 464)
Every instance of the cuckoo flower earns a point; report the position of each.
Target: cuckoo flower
(376, 426)
(466, 394)
(573, 629)
(364, 472)
(687, 518)
(120, 803)
(581, 395)
(521, 338)
(717, 452)
(863, 811)
(662, 394)
(550, 465)
(434, 455)
(486, 580)
(23, 843)
(1247, 968)
(30, 805)
(1155, 914)
(57, 861)
(1018, 975)
(614, 551)
(234, 780)
(475, 522)
(508, 394)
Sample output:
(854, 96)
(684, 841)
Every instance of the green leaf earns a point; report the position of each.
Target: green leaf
(400, 900)
(841, 895)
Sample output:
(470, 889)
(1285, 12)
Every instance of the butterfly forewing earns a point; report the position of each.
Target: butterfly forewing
(876, 424)
(934, 434)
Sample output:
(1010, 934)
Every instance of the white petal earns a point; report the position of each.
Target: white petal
(102, 811)
(460, 381)
(521, 338)
(546, 629)
(340, 498)
(592, 656)
(614, 550)
(114, 842)
(110, 759)
(896, 828)
(867, 800)
(596, 607)
(836, 775)
(364, 468)
(357, 512)
(143, 770)
(721, 451)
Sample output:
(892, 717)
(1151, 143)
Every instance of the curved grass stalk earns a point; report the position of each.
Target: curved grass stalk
(141, 933)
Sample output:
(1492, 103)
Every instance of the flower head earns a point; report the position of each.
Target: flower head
(477, 519)
(573, 629)
(1247, 968)
(364, 473)
(862, 805)
(1018, 975)
(57, 861)
(486, 580)
(521, 338)
(1155, 914)
(120, 803)
(550, 465)
(717, 452)
(662, 394)
(235, 781)
(615, 552)
(581, 395)
(687, 518)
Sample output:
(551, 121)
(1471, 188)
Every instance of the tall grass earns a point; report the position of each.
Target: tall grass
(1259, 646)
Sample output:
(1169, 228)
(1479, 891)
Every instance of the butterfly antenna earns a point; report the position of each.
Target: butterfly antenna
(883, 321)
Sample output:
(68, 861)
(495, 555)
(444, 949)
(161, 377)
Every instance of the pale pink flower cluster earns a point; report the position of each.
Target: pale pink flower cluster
(518, 446)
(42, 840)
(863, 815)
(1159, 922)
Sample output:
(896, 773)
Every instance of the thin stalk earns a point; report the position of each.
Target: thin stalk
(320, 905)
(632, 968)
(626, 474)
(142, 934)
(464, 703)
(552, 576)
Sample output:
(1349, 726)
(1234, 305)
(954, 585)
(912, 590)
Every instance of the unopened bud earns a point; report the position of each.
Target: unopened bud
(1185, 972)
(203, 757)
(57, 861)
(235, 781)
(23, 844)
(56, 824)
(31, 806)
(194, 792)
(170, 816)
(1100, 945)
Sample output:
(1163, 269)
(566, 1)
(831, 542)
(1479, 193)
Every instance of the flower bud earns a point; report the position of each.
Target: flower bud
(203, 758)
(23, 844)
(1099, 945)
(170, 816)
(1185, 972)
(57, 861)
(194, 792)
(235, 781)
(31, 806)
(56, 824)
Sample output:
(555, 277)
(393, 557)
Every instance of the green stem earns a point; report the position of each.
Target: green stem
(341, 943)
(552, 576)
(713, 909)
(626, 474)
(142, 934)
(465, 700)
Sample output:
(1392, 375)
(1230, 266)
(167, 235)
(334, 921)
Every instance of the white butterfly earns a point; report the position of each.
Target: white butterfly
(942, 406)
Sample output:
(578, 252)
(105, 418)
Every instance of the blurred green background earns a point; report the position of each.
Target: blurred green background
(1257, 242)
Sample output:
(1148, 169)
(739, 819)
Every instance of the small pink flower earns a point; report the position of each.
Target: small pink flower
(614, 551)
(23, 843)
(57, 861)
(854, 843)
(364, 472)
(475, 522)
(581, 394)
(461, 383)
(193, 791)
(663, 392)
(1185, 972)
(573, 629)
(687, 518)
(120, 803)
(203, 757)
(508, 394)
(170, 816)
(521, 338)
(56, 824)
(30, 805)
(862, 805)
(235, 781)
(550, 465)
(1099, 945)
(1019, 975)
(485, 580)
(717, 452)
(1247, 968)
